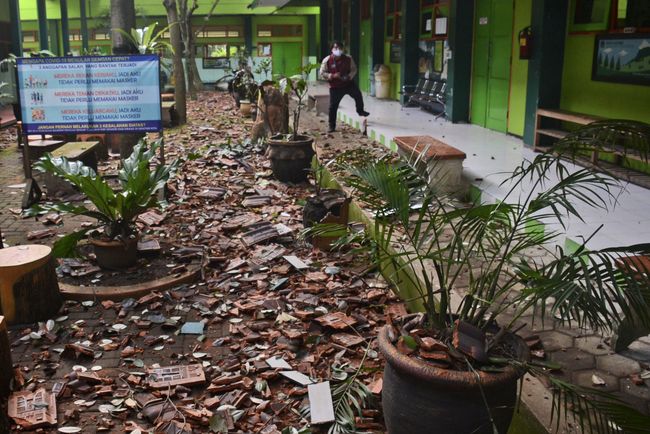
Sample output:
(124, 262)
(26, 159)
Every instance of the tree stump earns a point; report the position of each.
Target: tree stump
(29, 291)
(6, 365)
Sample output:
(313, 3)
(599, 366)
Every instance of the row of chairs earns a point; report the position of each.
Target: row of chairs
(429, 94)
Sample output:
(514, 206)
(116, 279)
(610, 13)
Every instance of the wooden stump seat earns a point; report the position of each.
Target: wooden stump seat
(29, 291)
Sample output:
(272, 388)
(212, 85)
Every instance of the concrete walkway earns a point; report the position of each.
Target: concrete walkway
(490, 156)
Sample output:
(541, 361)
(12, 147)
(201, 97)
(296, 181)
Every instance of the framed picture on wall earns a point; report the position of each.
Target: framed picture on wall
(622, 58)
(395, 52)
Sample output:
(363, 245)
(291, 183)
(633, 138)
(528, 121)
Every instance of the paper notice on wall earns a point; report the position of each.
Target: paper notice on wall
(441, 26)
(483, 21)
(428, 25)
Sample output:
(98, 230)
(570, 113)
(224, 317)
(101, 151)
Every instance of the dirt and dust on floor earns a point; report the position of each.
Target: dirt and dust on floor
(277, 336)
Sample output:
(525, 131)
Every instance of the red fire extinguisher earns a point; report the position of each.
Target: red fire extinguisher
(525, 43)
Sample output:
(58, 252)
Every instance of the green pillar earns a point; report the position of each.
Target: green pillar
(248, 33)
(337, 28)
(410, 28)
(16, 33)
(355, 32)
(324, 28)
(459, 66)
(549, 20)
(65, 32)
(377, 14)
(85, 47)
(312, 40)
(42, 25)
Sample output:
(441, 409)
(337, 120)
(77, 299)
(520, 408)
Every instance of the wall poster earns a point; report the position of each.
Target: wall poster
(622, 58)
(110, 94)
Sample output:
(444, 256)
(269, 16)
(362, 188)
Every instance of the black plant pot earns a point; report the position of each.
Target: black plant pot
(419, 398)
(291, 159)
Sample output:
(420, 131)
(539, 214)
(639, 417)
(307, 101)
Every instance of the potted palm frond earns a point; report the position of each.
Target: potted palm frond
(115, 236)
(454, 367)
(291, 154)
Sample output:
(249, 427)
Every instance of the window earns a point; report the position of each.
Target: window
(220, 32)
(74, 35)
(220, 50)
(264, 50)
(633, 13)
(365, 9)
(101, 35)
(30, 36)
(433, 19)
(393, 15)
(279, 30)
(216, 50)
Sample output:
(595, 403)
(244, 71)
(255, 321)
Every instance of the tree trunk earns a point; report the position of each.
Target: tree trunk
(193, 79)
(179, 74)
(29, 291)
(122, 17)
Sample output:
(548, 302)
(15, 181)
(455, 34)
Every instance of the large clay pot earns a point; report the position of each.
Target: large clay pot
(419, 398)
(115, 254)
(291, 159)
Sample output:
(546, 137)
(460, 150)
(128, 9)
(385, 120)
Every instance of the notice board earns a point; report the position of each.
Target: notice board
(107, 94)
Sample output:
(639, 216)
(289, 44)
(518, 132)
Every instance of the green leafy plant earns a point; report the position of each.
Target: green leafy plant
(114, 209)
(470, 264)
(298, 86)
(264, 67)
(147, 40)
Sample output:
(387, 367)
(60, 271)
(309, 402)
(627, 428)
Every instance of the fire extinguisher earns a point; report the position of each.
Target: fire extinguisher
(525, 43)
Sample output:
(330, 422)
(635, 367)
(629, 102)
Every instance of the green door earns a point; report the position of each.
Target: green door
(287, 58)
(491, 63)
(365, 56)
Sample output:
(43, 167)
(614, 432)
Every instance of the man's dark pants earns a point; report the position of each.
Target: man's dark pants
(337, 94)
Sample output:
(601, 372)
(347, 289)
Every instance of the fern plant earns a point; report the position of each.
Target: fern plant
(469, 263)
(147, 40)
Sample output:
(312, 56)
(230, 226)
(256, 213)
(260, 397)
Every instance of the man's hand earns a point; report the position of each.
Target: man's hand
(335, 75)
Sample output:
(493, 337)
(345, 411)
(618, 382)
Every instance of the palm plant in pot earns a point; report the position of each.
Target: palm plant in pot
(291, 154)
(115, 236)
(455, 366)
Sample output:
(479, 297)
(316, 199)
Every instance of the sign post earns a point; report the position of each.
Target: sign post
(88, 94)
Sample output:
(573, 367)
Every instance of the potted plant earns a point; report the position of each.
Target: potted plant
(115, 245)
(455, 366)
(327, 210)
(291, 154)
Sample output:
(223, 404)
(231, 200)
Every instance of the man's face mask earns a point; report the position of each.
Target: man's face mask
(337, 52)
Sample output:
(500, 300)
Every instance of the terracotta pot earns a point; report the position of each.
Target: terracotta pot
(291, 159)
(419, 398)
(245, 107)
(115, 254)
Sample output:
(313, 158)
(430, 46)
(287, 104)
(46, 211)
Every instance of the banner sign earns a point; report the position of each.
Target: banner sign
(90, 94)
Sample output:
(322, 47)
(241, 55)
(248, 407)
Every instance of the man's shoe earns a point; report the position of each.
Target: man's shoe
(331, 129)
(364, 114)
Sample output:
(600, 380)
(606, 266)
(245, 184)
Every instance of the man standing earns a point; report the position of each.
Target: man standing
(339, 70)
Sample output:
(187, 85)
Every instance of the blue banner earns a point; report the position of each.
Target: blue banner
(90, 94)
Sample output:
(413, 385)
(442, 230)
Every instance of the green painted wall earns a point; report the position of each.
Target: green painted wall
(519, 70)
(155, 7)
(394, 71)
(581, 94)
(365, 55)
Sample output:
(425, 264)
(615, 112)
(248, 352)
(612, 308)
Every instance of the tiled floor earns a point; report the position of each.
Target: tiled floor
(490, 155)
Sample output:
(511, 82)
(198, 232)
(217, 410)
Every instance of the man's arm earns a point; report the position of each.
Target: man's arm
(324, 69)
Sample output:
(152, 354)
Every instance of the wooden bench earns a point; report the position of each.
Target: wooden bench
(73, 151)
(319, 101)
(7, 116)
(440, 162)
(559, 116)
